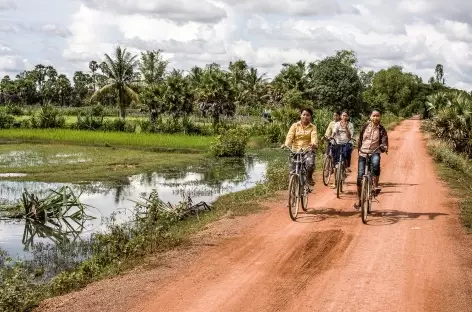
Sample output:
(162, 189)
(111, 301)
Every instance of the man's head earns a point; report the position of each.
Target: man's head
(306, 114)
(344, 116)
(336, 116)
(375, 117)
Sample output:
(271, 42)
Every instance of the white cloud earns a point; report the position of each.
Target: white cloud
(7, 5)
(416, 35)
(176, 10)
(12, 63)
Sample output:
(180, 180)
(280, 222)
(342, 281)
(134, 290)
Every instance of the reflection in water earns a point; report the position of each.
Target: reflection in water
(203, 183)
(58, 231)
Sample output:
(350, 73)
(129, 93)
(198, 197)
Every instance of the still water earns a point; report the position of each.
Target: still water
(205, 182)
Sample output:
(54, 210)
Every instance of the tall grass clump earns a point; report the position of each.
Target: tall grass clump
(444, 153)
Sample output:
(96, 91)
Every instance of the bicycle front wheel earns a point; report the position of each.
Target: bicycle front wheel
(365, 194)
(327, 167)
(339, 179)
(293, 196)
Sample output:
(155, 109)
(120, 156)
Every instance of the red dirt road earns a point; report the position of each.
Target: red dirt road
(412, 255)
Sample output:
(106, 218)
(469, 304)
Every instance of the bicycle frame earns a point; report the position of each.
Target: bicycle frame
(299, 160)
(340, 147)
(298, 177)
(368, 167)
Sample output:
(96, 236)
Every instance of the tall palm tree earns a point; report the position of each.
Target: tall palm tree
(93, 66)
(120, 73)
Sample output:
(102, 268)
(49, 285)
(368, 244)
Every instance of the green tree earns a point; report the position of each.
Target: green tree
(335, 83)
(392, 89)
(177, 95)
(216, 94)
(82, 88)
(120, 72)
(153, 67)
(439, 72)
(93, 66)
(64, 89)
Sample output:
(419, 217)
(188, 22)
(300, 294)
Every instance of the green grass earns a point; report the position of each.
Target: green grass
(461, 186)
(456, 171)
(153, 141)
(69, 163)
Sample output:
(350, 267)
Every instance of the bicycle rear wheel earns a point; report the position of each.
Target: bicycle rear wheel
(327, 164)
(371, 195)
(304, 192)
(293, 196)
(365, 194)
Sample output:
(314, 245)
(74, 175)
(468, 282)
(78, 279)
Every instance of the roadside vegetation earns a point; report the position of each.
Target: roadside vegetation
(449, 125)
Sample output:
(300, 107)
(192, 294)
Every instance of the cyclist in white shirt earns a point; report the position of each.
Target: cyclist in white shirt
(343, 131)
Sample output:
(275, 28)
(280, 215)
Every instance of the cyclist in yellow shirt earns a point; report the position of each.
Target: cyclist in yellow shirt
(302, 134)
(329, 129)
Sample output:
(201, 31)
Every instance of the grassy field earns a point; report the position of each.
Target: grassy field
(68, 163)
(153, 141)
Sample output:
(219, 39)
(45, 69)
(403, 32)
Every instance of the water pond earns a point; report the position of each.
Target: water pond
(204, 182)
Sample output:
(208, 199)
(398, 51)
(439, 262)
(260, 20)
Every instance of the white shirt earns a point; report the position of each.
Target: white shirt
(340, 133)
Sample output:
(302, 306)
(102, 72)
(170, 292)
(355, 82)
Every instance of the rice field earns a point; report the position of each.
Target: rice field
(157, 141)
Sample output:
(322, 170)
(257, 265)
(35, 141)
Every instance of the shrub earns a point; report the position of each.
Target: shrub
(48, 117)
(92, 119)
(6, 121)
(15, 110)
(119, 125)
(18, 292)
(232, 143)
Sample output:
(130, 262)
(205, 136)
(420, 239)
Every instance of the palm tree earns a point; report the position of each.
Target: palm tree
(93, 66)
(120, 73)
(435, 102)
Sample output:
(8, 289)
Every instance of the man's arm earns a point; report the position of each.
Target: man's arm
(351, 130)
(384, 138)
(361, 134)
(314, 136)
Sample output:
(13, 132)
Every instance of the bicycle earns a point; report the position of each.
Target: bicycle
(339, 167)
(328, 167)
(297, 187)
(367, 185)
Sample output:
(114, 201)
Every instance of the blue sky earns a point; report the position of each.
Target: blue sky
(69, 33)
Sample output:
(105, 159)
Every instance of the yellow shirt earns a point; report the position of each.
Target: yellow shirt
(329, 130)
(300, 136)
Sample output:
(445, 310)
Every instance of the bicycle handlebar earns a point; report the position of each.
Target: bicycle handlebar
(331, 139)
(375, 150)
(302, 151)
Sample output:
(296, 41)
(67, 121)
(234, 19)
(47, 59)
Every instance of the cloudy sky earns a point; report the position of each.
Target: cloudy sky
(415, 34)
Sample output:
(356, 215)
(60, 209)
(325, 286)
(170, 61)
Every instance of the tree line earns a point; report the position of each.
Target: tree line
(335, 82)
